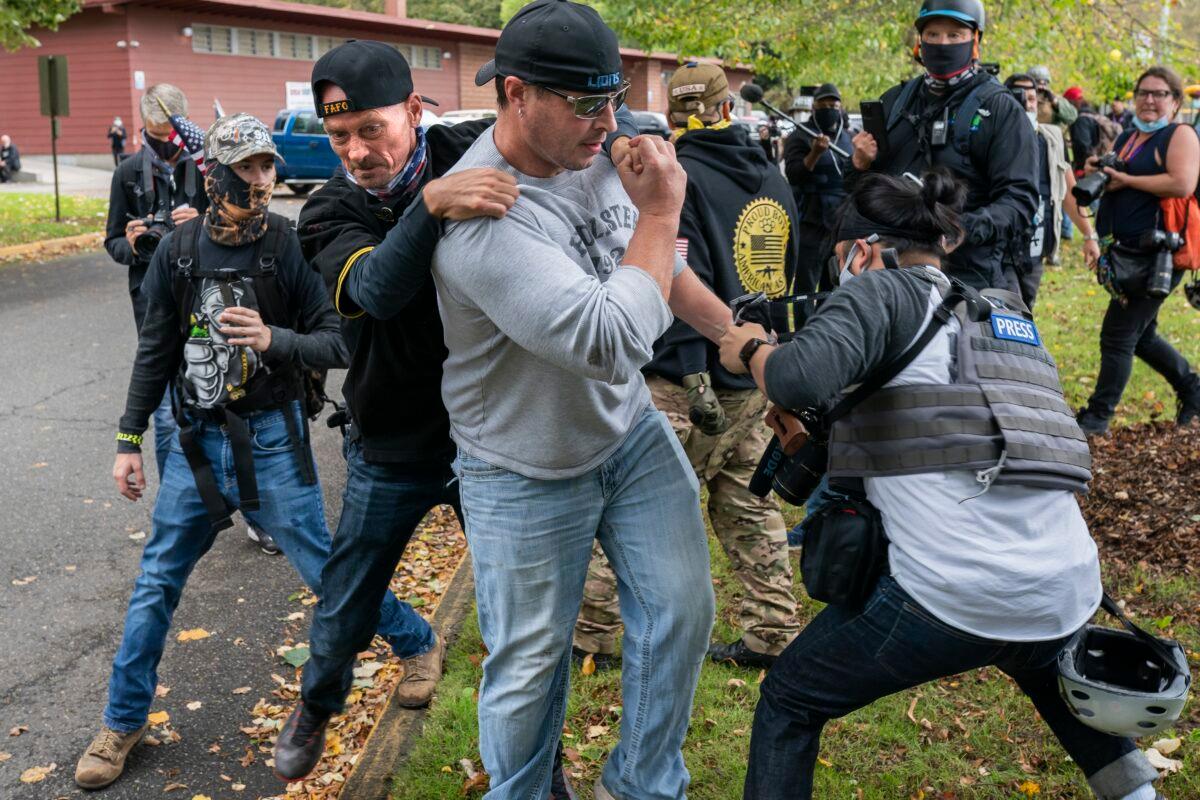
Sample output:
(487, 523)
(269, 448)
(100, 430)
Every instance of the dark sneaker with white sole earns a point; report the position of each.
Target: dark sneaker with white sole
(264, 540)
(300, 744)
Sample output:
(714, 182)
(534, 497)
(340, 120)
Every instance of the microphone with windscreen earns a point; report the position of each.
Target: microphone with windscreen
(753, 93)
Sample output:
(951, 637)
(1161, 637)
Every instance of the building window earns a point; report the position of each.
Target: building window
(212, 39)
(425, 57)
(252, 42)
(326, 43)
(295, 45)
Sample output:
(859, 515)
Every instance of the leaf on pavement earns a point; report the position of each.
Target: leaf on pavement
(158, 718)
(162, 691)
(368, 669)
(295, 615)
(174, 787)
(247, 759)
(296, 656)
(37, 774)
(17, 730)
(28, 579)
(5, 756)
(192, 635)
(242, 690)
(194, 705)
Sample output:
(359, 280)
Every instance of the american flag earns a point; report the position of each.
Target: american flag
(188, 135)
(681, 247)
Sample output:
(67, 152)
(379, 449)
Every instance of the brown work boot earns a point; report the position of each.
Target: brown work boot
(421, 676)
(104, 760)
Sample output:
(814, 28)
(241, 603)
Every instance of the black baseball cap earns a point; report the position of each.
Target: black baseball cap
(372, 74)
(557, 43)
(827, 90)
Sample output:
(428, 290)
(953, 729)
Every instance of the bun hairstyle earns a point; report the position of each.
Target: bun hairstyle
(909, 216)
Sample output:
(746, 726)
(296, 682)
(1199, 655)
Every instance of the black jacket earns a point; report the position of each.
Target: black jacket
(1000, 172)
(11, 158)
(134, 195)
(739, 224)
(310, 340)
(375, 258)
(818, 191)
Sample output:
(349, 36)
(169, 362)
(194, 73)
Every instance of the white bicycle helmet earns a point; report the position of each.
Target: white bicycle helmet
(1123, 682)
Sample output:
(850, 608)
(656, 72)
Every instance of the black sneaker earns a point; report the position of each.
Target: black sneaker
(263, 539)
(1188, 408)
(740, 654)
(603, 661)
(560, 787)
(1091, 424)
(300, 744)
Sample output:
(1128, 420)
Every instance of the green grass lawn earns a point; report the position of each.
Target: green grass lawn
(30, 217)
(969, 737)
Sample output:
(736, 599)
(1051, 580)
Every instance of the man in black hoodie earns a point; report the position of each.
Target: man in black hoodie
(737, 233)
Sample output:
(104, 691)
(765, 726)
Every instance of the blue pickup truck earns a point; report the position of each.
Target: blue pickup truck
(308, 160)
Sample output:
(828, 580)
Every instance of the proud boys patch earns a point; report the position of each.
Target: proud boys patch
(1015, 329)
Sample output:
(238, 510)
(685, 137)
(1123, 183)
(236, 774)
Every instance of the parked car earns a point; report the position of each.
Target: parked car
(308, 160)
(652, 122)
(466, 114)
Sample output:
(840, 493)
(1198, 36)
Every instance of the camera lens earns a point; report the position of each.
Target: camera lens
(798, 477)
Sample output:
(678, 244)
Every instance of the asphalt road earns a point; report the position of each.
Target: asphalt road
(68, 344)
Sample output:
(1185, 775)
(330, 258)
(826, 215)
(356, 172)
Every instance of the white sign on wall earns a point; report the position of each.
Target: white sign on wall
(299, 95)
(139, 79)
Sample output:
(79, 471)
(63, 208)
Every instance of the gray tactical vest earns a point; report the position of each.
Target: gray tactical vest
(1003, 415)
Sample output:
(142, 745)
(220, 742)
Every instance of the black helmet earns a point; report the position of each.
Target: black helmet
(1192, 292)
(966, 11)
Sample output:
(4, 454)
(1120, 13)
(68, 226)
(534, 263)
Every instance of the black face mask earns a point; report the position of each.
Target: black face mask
(944, 61)
(829, 120)
(164, 150)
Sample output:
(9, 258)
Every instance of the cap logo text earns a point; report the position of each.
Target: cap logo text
(688, 88)
(336, 107)
(604, 81)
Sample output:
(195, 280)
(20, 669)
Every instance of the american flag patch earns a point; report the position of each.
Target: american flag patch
(681, 247)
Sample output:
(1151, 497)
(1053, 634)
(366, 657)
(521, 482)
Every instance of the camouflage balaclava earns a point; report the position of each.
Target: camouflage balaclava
(237, 211)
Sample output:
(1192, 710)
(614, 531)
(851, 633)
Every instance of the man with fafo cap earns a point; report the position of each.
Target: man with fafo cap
(549, 313)
(370, 231)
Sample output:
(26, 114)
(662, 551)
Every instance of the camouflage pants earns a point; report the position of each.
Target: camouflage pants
(749, 528)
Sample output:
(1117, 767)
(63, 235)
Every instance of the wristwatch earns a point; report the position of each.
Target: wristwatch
(1092, 238)
(749, 349)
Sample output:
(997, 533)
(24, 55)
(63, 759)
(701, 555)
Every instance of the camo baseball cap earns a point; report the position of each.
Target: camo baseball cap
(697, 87)
(237, 137)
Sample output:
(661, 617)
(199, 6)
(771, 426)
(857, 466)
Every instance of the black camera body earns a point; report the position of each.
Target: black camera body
(158, 225)
(1163, 244)
(1089, 188)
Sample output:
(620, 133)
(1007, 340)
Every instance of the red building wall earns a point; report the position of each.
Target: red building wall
(100, 82)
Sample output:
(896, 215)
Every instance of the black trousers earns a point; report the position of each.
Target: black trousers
(1132, 330)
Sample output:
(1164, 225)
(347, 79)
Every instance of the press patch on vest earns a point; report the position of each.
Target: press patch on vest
(1015, 329)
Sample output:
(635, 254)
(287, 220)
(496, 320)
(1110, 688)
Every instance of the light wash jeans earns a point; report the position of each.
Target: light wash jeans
(530, 543)
(291, 510)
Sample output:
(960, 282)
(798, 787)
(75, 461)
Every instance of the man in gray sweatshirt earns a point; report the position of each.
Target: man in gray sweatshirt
(549, 313)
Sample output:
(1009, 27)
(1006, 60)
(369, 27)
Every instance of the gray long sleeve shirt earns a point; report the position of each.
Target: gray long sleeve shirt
(546, 330)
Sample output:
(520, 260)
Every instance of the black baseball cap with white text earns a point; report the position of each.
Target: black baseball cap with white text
(559, 44)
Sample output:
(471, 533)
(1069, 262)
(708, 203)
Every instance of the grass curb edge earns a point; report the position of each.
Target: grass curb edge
(389, 740)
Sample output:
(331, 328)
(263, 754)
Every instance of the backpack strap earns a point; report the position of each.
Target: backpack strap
(266, 281)
(183, 252)
(906, 96)
(971, 105)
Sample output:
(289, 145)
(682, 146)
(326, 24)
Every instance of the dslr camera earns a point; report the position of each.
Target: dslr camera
(158, 225)
(1163, 244)
(1089, 188)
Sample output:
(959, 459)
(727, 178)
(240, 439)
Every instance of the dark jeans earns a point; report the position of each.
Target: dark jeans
(847, 659)
(381, 507)
(1027, 280)
(1133, 330)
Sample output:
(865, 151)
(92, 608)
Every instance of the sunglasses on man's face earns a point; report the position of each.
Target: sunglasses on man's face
(592, 106)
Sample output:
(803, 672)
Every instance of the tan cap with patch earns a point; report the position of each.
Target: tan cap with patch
(237, 137)
(696, 88)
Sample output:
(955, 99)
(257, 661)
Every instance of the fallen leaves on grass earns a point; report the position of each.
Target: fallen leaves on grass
(1164, 765)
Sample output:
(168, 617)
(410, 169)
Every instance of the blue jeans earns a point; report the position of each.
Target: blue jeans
(164, 433)
(381, 507)
(293, 512)
(846, 659)
(530, 543)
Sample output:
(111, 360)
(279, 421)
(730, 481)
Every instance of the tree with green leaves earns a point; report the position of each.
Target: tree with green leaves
(17, 17)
